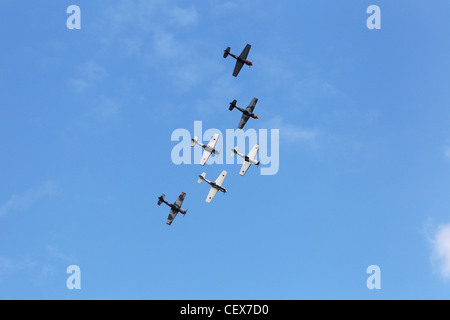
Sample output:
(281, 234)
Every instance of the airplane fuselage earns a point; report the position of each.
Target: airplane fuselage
(214, 185)
(245, 112)
(247, 62)
(247, 158)
(252, 161)
(204, 146)
(173, 206)
(209, 149)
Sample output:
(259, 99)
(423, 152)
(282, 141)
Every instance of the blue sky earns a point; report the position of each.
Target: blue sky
(85, 137)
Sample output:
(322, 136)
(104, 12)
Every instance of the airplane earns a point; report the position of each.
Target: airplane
(247, 113)
(249, 159)
(215, 186)
(241, 60)
(174, 208)
(208, 148)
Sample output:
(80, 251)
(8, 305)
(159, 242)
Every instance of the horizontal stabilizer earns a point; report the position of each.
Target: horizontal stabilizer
(201, 177)
(253, 152)
(226, 52)
(232, 104)
(194, 141)
(220, 179)
(161, 199)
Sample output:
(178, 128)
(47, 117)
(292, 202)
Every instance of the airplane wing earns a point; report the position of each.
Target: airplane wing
(237, 67)
(245, 52)
(245, 167)
(171, 217)
(243, 121)
(252, 105)
(254, 151)
(211, 194)
(180, 199)
(220, 179)
(240, 61)
(205, 157)
(212, 143)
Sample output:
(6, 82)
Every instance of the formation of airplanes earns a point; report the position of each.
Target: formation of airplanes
(209, 148)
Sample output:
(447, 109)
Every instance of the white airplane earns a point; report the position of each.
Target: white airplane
(249, 159)
(208, 148)
(215, 186)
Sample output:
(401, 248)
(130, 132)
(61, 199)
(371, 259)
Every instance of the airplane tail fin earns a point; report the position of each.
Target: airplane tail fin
(194, 141)
(234, 151)
(226, 52)
(232, 104)
(201, 177)
(161, 199)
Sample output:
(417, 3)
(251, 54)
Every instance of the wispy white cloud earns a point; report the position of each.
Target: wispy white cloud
(292, 133)
(447, 152)
(221, 90)
(220, 7)
(140, 13)
(441, 250)
(184, 17)
(8, 265)
(40, 267)
(79, 84)
(88, 74)
(106, 109)
(165, 45)
(26, 200)
(99, 117)
(150, 32)
(54, 252)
